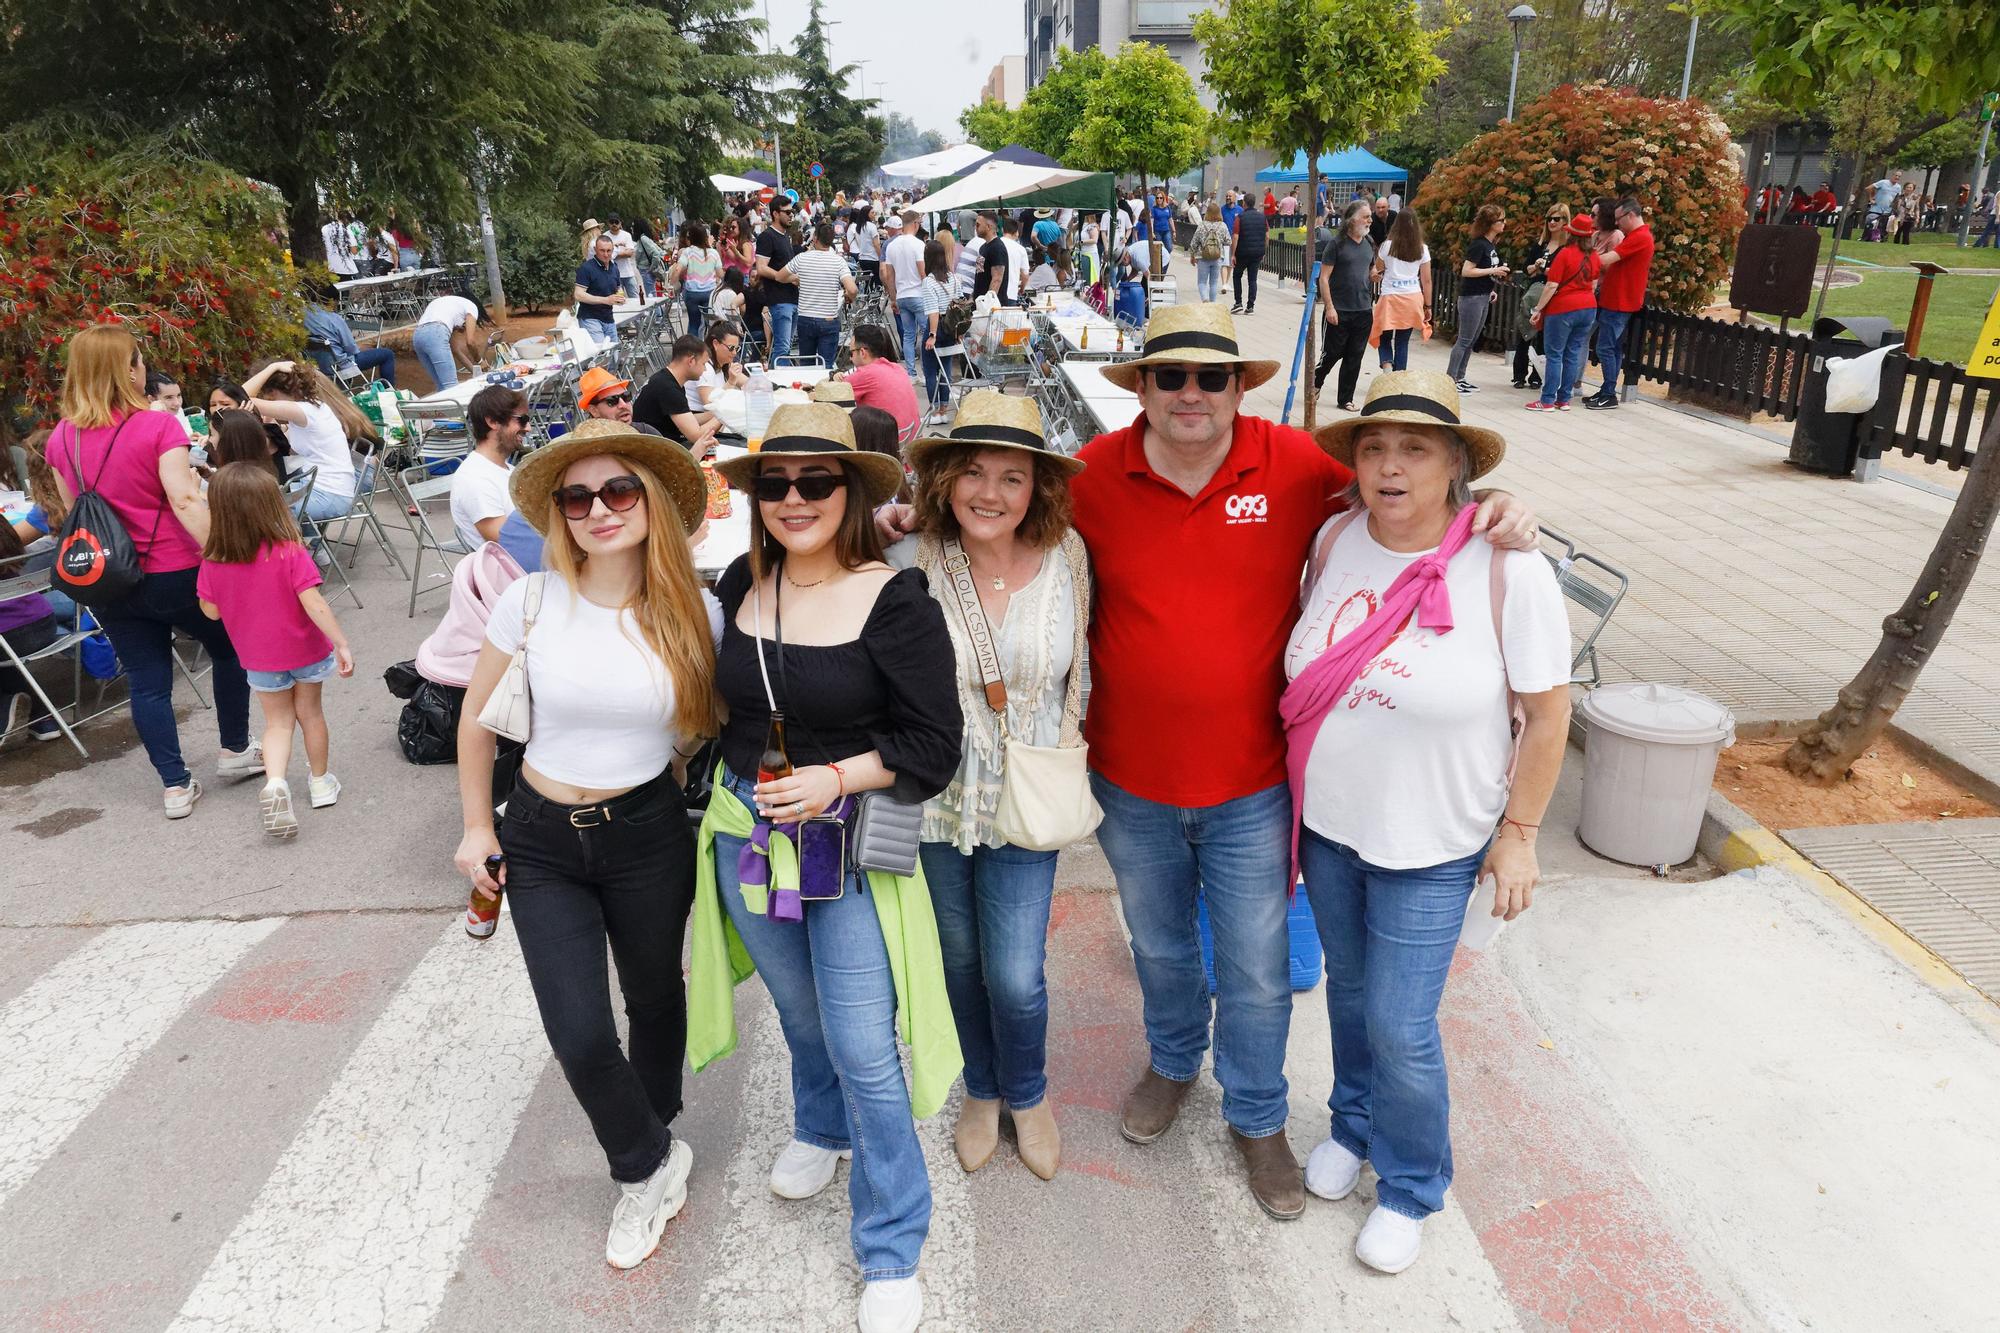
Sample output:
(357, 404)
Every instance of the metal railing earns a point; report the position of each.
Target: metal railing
(1929, 409)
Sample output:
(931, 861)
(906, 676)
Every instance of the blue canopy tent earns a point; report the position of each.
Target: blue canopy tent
(1349, 164)
(1013, 152)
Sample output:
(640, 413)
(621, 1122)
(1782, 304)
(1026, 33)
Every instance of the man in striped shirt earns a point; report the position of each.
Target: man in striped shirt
(824, 286)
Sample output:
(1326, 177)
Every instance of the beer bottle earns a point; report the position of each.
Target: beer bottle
(774, 763)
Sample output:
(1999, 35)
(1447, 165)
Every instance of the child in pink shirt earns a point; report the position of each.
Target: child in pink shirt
(258, 580)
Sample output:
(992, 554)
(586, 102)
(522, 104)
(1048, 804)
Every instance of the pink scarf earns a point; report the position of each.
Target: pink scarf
(1308, 699)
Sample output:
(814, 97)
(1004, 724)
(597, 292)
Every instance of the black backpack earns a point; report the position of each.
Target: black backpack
(96, 563)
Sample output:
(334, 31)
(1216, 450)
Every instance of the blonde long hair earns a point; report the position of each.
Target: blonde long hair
(668, 606)
(98, 387)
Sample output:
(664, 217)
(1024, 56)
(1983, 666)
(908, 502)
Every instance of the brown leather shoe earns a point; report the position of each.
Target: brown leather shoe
(1276, 1180)
(1151, 1106)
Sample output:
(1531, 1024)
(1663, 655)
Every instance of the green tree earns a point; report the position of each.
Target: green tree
(1952, 142)
(989, 124)
(828, 126)
(1054, 107)
(1310, 75)
(1940, 57)
(1142, 116)
(1467, 99)
(902, 139)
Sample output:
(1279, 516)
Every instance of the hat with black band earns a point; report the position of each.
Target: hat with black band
(1200, 333)
(990, 419)
(1418, 398)
(816, 430)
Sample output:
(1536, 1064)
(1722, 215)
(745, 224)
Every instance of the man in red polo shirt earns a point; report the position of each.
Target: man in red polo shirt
(1620, 294)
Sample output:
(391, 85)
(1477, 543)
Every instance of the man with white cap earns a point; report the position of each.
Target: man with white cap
(903, 284)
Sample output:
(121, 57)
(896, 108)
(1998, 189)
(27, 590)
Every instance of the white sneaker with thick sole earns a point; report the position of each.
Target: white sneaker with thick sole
(240, 763)
(1332, 1172)
(180, 800)
(1389, 1241)
(274, 805)
(645, 1207)
(891, 1305)
(803, 1170)
(323, 790)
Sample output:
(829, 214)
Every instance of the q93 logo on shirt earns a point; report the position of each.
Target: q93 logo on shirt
(1246, 509)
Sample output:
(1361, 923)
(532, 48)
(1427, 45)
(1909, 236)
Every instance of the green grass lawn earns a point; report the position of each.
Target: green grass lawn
(1958, 306)
(1937, 247)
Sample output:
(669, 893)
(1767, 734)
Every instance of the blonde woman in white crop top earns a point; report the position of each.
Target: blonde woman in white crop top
(596, 846)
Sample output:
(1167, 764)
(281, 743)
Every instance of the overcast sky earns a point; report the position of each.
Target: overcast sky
(926, 59)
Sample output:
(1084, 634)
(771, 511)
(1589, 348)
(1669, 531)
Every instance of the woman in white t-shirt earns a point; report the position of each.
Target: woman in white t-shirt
(1407, 654)
(620, 657)
(320, 424)
(1403, 268)
(447, 336)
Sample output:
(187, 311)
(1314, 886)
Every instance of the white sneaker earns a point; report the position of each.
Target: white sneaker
(1332, 1172)
(240, 763)
(645, 1207)
(802, 1170)
(323, 790)
(180, 800)
(274, 803)
(891, 1305)
(1389, 1241)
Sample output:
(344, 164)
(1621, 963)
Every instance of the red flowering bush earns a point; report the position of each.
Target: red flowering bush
(186, 254)
(1579, 144)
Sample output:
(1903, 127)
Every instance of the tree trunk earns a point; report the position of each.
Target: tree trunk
(1314, 316)
(1798, 159)
(1756, 165)
(1839, 225)
(1828, 749)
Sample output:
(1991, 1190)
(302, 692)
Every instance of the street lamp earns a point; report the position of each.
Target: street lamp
(1687, 69)
(1518, 18)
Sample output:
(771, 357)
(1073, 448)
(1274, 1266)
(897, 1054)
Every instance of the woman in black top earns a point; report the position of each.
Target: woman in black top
(1476, 273)
(1347, 300)
(1555, 235)
(862, 669)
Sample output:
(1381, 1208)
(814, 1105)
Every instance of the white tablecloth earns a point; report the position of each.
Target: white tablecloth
(1111, 407)
(401, 275)
(789, 385)
(1103, 338)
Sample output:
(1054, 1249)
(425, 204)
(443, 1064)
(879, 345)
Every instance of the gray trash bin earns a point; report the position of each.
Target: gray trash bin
(1823, 441)
(1649, 761)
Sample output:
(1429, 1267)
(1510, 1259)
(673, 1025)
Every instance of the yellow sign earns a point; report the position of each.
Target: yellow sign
(1986, 352)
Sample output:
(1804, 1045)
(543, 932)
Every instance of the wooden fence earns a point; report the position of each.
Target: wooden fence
(1930, 410)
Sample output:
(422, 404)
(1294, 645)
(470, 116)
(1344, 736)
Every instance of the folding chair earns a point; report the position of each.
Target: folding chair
(416, 488)
(298, 493)
(798, 363)
(370, 475)
(16, 582)
(1596, 587)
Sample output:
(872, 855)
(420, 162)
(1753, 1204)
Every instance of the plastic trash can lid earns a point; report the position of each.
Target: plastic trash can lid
(1664, 713)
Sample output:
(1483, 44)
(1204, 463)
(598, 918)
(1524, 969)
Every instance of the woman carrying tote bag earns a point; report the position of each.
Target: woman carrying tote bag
(995, 542)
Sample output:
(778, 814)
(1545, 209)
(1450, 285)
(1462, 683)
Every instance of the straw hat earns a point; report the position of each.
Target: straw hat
(596, 382)
(1045, 212)
(592, 224)
(990, 419)
(539, 473)
(1421, 398)
(838, 392)
(816, 430)
(1200, 333)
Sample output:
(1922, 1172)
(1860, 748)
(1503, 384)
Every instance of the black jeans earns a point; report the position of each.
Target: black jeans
(141, 627)
(1346, 342)
(1249, 264)
(577, 876)
(1521, 366)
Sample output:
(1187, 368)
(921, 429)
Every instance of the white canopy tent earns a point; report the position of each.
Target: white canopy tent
(997, 182)
(728, 184)
(944, 162)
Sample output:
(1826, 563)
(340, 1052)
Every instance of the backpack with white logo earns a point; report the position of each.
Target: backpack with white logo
(96, 563)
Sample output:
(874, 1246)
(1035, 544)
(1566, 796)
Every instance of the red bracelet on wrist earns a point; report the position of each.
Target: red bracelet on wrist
(840, 776)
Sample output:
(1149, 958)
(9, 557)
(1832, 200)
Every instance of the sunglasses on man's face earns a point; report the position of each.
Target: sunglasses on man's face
(773, 487)
(610, 399)
(1172, 379)
(619, 494)
(520, 418)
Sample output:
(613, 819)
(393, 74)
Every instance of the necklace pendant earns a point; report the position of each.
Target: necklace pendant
(999, 584)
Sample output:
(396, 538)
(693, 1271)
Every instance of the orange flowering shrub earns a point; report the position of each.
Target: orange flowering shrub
(1581, 143)
(189, 256)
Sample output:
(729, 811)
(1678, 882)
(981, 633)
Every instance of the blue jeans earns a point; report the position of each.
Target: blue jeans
(1989, 232)
(1610, 347)
(819, 337)
(141, 629)
(1207, 278)
(1394, 349)
(911, 322)
(993, 921)
(1236, 855)
(630, 286)
(783, 317)
(605, 331)
(937, 383)
(829, 978)
(1566, 344)
(1389, 936)
(432, 345)
(697, 308)
(377, 363)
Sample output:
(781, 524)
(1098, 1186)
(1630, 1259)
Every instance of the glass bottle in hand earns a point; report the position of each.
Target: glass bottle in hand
(774, 763)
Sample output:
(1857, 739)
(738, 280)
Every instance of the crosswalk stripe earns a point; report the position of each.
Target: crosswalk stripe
(361, 1223)
(788, 1264)
(67, 1040)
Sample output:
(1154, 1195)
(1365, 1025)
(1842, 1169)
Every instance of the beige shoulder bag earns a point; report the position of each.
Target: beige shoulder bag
(506, 712)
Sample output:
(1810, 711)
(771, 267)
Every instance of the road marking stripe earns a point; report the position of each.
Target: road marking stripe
(362, 1221)
(67, 1040)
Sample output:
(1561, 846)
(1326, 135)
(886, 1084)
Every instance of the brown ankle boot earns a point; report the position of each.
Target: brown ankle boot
(1276, 1181)
(978, 1132)
(1038, 1139)
(1151, 1106)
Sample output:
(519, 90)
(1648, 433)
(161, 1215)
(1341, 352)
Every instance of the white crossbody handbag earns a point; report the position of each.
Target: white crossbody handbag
(1045, 798)
(507, 708)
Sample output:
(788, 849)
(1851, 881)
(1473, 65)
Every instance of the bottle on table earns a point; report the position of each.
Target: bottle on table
(759, 400)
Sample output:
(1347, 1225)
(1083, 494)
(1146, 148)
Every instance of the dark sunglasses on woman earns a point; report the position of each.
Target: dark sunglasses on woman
(619, 494)
(773, 487)
(1172, 379)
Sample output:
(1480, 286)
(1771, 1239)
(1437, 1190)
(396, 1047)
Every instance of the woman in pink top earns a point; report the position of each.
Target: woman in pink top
(138, 461)
(259, 581)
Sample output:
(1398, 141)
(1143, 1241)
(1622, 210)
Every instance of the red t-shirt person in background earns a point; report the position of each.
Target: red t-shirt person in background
(1620, 295)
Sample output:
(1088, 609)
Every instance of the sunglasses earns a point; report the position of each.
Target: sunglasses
(619, 494)
(612, 398)
(520, 418)
(773, 487)
(1172, 379)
